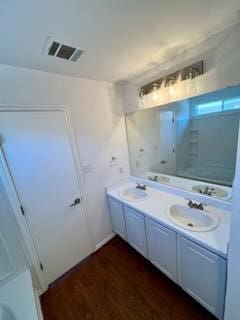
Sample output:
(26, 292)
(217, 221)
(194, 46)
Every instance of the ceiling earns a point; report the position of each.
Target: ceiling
(120, 38)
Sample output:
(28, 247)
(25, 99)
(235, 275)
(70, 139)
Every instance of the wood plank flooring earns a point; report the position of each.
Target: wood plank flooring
(116, 283)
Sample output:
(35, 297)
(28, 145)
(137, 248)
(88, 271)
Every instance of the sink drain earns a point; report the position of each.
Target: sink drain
(190, 224)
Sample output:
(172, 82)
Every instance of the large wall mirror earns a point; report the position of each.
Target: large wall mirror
(190, 144)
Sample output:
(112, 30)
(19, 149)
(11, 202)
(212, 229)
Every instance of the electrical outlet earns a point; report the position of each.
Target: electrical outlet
(120, 170)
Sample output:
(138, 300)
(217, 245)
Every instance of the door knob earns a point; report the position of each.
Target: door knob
(163, 161)
(75, 202)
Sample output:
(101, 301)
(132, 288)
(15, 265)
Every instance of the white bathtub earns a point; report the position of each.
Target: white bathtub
(17, 299)
(212, 174)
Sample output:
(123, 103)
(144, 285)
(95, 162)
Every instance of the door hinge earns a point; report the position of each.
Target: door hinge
(41, 266)
(173, 150)
(22, 210)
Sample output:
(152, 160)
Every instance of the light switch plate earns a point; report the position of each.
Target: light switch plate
(87, 168)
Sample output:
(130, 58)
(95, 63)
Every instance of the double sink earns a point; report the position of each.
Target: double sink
(198, 220)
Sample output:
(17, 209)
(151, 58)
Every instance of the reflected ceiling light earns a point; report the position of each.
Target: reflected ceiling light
(192, 73)
(155, 91)
(141, 97)
(141, 93)
(170, 84)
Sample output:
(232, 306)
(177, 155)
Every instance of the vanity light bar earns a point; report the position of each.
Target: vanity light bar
(189, 72)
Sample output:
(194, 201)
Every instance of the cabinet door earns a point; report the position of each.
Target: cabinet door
(162, 248)
(203, 275)
(136, 232)
(118, 220)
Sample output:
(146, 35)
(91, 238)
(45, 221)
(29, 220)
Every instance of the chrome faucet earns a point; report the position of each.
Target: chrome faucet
(205, 191)
(155, 178)
(141, 186)
(191, 204)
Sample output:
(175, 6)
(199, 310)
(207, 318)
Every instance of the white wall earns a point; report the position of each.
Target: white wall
(221, 56)
(144, 133)
(98, 124)
(143, 141)
(232, 308)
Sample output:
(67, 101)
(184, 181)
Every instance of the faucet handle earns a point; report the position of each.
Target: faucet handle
(190, 203)
(141, 186)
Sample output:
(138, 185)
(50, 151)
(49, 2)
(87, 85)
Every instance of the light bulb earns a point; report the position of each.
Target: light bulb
(171, 90)
(155, 95)
(155, 92)
(170, 83)
(141, 98)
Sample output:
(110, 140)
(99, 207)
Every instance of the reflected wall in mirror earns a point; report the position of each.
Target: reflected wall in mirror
(191, 144)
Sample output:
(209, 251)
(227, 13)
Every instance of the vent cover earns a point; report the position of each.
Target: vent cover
(56, 49)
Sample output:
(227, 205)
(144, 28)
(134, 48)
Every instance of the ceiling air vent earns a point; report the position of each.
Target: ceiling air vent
(56, 49)
(53, 49)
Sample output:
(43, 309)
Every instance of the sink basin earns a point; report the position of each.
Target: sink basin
(134, 194)
(157, 178)
(211, 191)
(192, 219)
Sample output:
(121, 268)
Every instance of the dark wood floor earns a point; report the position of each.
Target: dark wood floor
(118, 283)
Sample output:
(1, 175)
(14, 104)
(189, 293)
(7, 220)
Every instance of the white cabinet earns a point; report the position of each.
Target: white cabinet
(203, 275)
(162, 248)
(197, 270)
(136, 232)
(118, 220)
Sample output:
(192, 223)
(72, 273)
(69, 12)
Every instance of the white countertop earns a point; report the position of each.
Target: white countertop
(17, 300)
(159, 203)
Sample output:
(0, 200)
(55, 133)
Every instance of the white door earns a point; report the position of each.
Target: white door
(136, 233)
(39, 155)
(166, 142)
(162, 248)
(118, 220)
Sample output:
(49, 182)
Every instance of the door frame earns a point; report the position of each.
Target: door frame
(8, 182)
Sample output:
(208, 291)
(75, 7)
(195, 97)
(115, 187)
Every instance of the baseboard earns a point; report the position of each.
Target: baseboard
(41, 291)
(102, 243)
(38, 305)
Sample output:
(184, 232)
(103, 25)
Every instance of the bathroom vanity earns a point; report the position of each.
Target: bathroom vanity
(187, 244)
